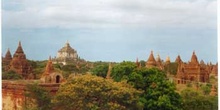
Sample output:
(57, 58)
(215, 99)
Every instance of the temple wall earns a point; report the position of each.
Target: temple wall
(13, 97)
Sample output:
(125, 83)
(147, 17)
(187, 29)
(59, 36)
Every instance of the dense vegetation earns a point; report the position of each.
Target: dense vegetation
(37, 96)
(11, 75)
(91, 92)
(158, 93)
(130, 87)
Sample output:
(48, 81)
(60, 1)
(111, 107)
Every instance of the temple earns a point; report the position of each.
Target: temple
(19, 63)
(50, 75)
(191, 71)
(152, 63)
(66, 55)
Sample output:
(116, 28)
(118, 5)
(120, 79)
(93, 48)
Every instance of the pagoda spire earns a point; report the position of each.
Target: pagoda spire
(151, 62)
(194, 58)
(49, 67)
(178, 59)
(19, 53)
(108, 76)
(8, 55)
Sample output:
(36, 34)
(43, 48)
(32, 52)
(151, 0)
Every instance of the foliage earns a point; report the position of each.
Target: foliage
(122, 70)
(100, 70)
(206, 89)
(158, 93)
(38, 97)
(38, 67)
(11, 75)
(193, 100)
(96, 93)
(143, 63)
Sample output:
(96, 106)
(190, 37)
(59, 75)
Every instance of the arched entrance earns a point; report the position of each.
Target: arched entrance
(57, 79)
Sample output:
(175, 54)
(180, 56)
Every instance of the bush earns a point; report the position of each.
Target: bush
(39, 98)
(11, 75)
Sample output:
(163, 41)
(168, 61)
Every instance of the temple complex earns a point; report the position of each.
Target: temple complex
(19, 63)
(66, 55)
(191, 71)
(50, 75)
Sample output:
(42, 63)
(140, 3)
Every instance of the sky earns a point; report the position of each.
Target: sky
(112, 30)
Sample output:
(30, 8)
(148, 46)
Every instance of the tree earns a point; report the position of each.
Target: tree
(158, 93)
(37, 98)
(100, 70)
(96, 93)
(122, 70)
(193, 100)
(12, 75)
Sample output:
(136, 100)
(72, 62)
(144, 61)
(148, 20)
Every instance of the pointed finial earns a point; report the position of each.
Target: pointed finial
(193, 52)
(19, 44)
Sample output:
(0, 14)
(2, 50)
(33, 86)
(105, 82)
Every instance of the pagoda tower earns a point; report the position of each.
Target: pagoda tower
(6, 60)
(159, 62)
(19, 63)
(151, 62)
(178, 59)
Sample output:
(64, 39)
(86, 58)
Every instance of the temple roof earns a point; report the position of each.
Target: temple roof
(178, 59)
(8, 55)
(158, 58)
(19, 53)
(194, 58)
(67, 48)
(19, 49)
(168, 59)
(202, 62)
(151, 60)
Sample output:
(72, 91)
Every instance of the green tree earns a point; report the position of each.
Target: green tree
(87, 92)
(11, 75)
(38, 98)
(122, 70)
(206, 89)
(100, 70)
(193, 100)
(159, 93)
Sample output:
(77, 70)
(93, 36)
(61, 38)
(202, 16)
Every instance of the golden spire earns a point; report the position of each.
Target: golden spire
(168, 59)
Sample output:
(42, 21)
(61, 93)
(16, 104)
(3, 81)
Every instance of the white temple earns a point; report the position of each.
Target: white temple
(66, 54)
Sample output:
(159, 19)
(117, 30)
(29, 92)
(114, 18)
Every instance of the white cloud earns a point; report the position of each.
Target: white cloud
(109, 13)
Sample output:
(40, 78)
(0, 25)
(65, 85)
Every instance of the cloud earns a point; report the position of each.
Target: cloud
(109, 13)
